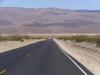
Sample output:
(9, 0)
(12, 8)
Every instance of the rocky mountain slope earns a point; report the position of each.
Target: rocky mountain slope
(44, 20)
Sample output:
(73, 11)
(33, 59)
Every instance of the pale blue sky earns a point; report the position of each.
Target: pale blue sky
(66, 4)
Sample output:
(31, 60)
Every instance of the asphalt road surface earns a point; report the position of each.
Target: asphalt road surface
(41, 58)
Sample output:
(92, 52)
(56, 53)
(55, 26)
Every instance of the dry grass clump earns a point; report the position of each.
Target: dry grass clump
(83, 38)
(18, 38)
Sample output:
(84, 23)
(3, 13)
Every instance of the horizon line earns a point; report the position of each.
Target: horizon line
(44, 8)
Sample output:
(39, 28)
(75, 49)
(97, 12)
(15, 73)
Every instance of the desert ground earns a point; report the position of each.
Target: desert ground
(10, 45)
(86, 53)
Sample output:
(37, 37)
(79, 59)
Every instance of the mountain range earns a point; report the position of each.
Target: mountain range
(16, 20)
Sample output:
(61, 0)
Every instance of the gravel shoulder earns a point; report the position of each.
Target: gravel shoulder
(86, 53)
(9, 45)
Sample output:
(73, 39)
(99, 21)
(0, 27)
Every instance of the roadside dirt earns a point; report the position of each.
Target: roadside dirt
(9, 45)
(86, 53)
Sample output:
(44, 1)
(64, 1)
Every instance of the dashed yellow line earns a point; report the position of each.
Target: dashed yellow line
(3, 71)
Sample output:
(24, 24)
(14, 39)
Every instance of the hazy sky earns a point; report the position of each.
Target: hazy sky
(69, 4)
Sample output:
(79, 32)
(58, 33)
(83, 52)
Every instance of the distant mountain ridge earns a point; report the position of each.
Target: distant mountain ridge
(98, 11)
(14, 20)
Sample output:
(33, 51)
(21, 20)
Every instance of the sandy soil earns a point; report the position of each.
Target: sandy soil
(9, 45)
(86, 53)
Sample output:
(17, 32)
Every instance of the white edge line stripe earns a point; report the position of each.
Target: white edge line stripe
(70, 58)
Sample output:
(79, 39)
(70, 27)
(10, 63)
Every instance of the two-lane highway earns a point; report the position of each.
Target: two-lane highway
(41, 58)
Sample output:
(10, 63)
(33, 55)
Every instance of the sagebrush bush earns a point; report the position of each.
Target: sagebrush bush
(18, 38)
(83, 38)
(98, 41)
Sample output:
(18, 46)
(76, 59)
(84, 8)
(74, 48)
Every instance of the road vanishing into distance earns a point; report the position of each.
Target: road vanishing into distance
(41, 58)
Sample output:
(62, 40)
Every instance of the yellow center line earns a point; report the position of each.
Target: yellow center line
(3, 71)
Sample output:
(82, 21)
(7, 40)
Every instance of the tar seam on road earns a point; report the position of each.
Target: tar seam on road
(70, 58)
